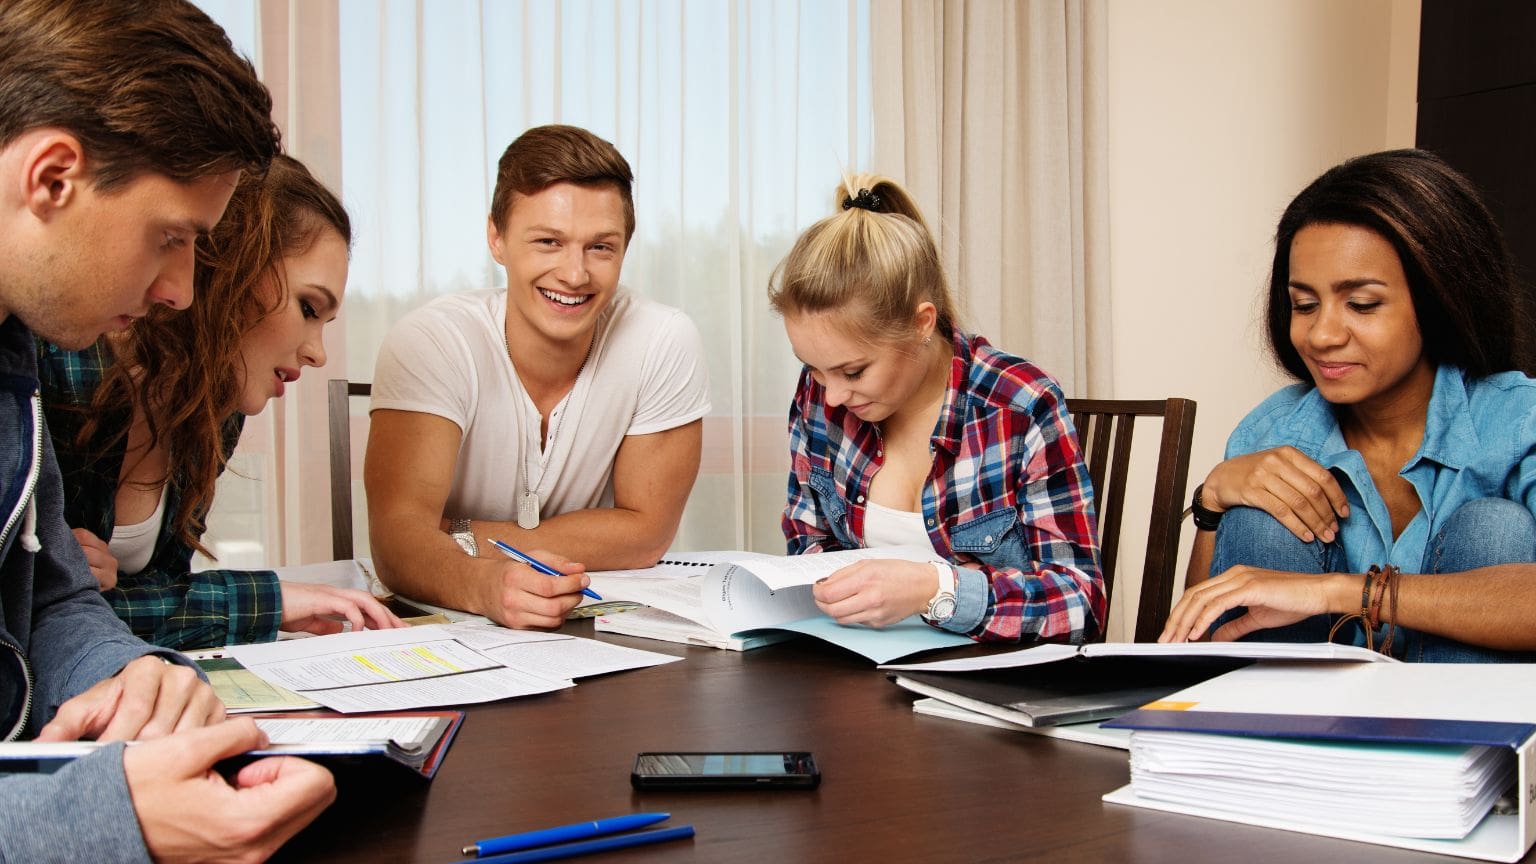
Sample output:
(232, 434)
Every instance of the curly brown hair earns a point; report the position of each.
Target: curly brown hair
(183, 368)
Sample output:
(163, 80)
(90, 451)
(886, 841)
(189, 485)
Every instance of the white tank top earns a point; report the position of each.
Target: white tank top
(132, 545)
(884, 526)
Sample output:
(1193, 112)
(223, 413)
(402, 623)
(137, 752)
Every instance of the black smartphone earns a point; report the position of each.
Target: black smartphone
(789, 770)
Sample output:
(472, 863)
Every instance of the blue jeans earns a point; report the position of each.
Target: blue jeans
(1481, 533)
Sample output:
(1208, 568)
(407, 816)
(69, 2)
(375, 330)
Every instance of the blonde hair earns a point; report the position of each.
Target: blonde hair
(875, 258)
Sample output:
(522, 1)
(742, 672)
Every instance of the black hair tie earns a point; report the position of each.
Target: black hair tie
(865, 200)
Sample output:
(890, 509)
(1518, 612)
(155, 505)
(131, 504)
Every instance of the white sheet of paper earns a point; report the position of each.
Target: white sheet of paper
(360, 657)
(483, 637)
(472, 687)
(1439, 691)
(576, 658)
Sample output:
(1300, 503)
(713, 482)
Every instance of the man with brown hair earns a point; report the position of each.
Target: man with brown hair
(123, 128)
(562, 413)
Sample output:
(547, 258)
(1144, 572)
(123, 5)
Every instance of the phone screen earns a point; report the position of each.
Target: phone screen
(715, 764)
(793, 769)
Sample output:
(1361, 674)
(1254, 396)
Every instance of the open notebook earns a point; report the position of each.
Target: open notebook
(414, 741)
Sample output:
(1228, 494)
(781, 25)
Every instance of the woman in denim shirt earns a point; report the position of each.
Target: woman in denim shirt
(906, 431)
(1388, 498)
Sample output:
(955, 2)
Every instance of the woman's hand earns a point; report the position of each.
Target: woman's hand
(877, 592)
(103, 565)
(1286, 484)
(315, 608)
(1274, 599)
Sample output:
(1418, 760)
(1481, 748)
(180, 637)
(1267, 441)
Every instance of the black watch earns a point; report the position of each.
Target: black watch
(1205, 520)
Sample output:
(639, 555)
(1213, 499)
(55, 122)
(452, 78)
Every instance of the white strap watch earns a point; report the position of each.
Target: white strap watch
(941, 607)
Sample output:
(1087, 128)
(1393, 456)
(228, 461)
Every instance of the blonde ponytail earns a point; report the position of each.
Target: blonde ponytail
(874, 258)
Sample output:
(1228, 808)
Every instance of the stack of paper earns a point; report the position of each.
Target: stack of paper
(1402, 754)
(1406, 790)
(435, 664)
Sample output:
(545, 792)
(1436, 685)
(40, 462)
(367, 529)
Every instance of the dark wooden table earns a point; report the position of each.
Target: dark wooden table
(896, 786)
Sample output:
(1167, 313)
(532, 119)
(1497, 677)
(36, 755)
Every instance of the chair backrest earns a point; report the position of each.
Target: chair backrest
(339, 393)
(1105, 429)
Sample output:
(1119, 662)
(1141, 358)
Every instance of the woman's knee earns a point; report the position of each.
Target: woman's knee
(1482, 533)
(1248, 535)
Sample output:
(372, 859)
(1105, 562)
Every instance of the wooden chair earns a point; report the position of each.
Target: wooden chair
(339, 393)
(1105, 429)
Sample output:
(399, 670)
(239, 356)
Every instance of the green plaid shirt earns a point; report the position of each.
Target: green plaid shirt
(165, 603)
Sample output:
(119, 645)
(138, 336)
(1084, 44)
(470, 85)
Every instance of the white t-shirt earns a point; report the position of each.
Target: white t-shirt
(645, 374)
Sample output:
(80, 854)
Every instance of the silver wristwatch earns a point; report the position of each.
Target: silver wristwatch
(458, 529)
(941, 607)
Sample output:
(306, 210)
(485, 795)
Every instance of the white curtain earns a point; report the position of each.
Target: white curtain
(738, 118)
(993, 113)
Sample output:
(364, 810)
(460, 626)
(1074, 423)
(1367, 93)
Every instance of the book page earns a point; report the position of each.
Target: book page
(734, 599)
(408, 733)
(678, 565)
(788, 570)
(681, 596)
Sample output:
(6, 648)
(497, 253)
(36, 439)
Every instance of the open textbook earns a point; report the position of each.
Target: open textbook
(415, 741)
(726, 600)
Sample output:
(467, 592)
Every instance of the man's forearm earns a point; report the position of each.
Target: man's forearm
(424, 563)
(606, 538)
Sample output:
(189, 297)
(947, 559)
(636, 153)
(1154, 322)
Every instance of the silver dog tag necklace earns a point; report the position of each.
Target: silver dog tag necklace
(529, 503)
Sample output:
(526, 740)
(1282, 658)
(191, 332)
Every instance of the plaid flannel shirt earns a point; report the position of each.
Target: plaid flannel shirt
(165, 603)
(1008, 498)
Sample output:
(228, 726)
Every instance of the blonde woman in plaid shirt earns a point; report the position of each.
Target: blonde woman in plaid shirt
(906, 430)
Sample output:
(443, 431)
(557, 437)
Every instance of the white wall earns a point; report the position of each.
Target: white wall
(1219, 113)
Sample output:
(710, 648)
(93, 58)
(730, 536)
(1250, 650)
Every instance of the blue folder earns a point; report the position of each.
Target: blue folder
(1385, 730)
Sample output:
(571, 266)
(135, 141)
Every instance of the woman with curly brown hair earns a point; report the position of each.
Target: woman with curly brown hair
(145, 420)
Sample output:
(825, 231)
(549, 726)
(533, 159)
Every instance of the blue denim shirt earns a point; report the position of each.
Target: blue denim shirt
(1479, 442)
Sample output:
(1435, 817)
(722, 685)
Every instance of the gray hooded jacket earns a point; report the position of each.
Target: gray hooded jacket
(58, 637)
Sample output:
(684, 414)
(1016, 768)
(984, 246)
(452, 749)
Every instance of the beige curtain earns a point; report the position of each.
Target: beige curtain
(993, 113)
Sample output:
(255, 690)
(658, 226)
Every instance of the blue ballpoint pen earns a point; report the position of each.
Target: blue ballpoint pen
(536, 564)
(601, 844)
(563, 833)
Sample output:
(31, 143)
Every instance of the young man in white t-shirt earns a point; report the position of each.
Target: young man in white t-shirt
(561, 416)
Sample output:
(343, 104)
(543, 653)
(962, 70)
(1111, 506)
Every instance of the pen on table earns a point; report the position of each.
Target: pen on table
(563, 833)
(536, 564)
(601, 844)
